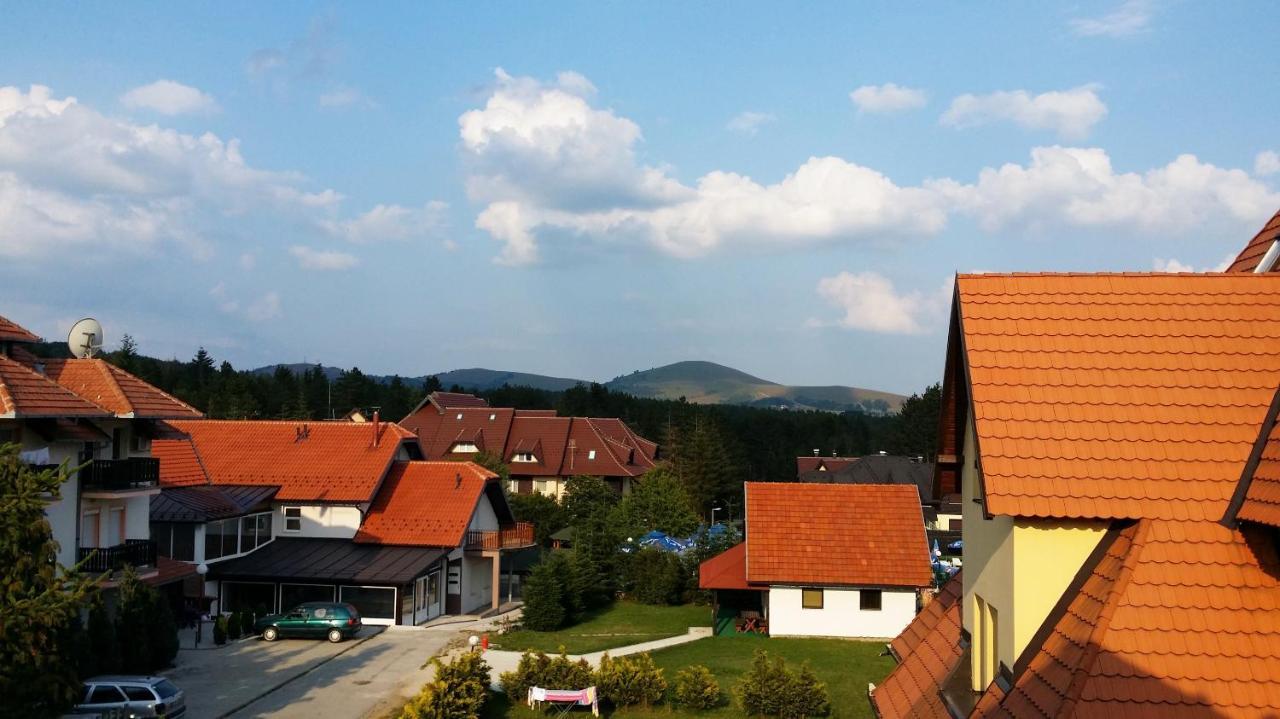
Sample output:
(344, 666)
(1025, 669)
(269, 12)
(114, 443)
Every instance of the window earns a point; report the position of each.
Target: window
(459, 416)
(176, 540)
(869, 600)
(464, 448)
(139, 694)
(492, 417)
(139, 444)
(105, 695)
(540, 486)
(811, 598)
(524, 457)
(255, 531)
(221, 538)
(293, 519)
(591, 454)
(955, 525)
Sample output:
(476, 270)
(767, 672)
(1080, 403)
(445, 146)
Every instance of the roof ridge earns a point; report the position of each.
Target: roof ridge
(57, 386)
(104, 368)
(113, 369)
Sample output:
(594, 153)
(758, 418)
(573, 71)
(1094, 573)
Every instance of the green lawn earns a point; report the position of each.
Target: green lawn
(845, 666)
(617, 625)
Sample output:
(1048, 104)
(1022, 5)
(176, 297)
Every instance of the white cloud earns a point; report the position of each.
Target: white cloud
(1266, 163)
(749, 122)
(248, 261)
(552, 171)
(390, 222)
(870, 302)
(1170, 265)
(313, 259)
(1130, 18)
(169, 98)
(346, 97)
(1070, 113)
(264, 308)
(887, 98)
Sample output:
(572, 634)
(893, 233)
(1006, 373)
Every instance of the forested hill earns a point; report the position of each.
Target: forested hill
(738, 442)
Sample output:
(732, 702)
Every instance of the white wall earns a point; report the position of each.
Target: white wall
(484, 519)
(840, 615)
(319, 520)
(477, 583)
(61, 514)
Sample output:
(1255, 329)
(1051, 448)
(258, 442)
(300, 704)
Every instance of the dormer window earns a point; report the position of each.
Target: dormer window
(591, 454)
(459, 416)
(524, 457)
(464, 448)
(493, 417)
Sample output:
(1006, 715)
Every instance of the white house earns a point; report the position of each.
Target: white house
(836, 560)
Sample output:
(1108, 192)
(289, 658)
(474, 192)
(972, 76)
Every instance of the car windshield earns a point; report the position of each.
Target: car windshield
(165, 688)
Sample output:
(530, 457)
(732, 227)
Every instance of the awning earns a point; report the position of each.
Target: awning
(727, 570)
(330, 561)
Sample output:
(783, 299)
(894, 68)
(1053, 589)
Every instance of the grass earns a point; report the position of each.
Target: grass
(617, 625)
(845, 665)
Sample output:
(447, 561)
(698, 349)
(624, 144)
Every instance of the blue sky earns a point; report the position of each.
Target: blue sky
(589, 189)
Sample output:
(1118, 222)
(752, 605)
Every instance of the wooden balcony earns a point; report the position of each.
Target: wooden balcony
(134, 552)
(120, 475)
(513, 536)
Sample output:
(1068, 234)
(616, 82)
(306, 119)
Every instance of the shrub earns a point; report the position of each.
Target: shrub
(103, 645)
(233, 626)
(770, 688)
(459, 690)
(246, 623)
(536, 669)
(435, 701)
(164, 634)
(656, 577)
(696, 688)
(220, 631)
(630, 680)
(807, 697)
(134, 620)
(543, 599)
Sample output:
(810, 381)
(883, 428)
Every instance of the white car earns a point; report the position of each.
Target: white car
(129, 697)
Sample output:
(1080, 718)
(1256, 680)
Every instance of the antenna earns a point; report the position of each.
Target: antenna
(85, 338)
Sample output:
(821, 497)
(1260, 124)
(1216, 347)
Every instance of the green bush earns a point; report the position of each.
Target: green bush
(220, 631)
(656, 577)
(536, 669)
(630, 680)
(696, 688)
(103, 645)
(164, 634)
(233, 626)
(544, 598)
(769, 688)
(246, 623)
(459, 690)
(134, 624)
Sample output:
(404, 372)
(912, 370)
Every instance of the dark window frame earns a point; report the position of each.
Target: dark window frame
(806, 595)
(866, 594)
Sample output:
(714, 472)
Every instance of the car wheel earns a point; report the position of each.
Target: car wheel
(335, 636)
(270, 634)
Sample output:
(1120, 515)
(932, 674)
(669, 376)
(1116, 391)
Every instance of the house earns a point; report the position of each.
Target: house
(842, 560)
(1109, 436)
(98, 421)
(1262, 254)
(818, 463)
(541, 450)
(282, 512)
(942, 517)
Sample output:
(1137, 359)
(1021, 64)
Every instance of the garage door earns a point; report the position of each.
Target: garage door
(291, 595)
(377, 605)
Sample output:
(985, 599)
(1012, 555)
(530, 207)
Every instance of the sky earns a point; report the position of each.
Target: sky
(587, 189)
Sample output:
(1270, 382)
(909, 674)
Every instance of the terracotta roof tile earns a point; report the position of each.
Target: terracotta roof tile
(11, 331)
(1259, 488)
(109, 386)
(1252, 253)
(309, 462)
(836, 534)
(726, 570)
(1118, 395)
(24, 392)
(426, 504)
(827, 464)
(180, 465)
(927, 651)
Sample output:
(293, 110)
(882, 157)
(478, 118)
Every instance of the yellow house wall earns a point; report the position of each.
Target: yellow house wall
(1018, 566)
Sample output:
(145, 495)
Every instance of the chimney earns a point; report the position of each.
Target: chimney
(817, 452)
(375, 428)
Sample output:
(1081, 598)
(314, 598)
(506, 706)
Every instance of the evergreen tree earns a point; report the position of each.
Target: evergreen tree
(659, 501)
(38, 673)
(164, 634)
(432, 384)
(916, 426)
(543, 600)
(127, 356)
(103, 643)
(133, 624)
(543, 512)
(493, 463)
(587, 497)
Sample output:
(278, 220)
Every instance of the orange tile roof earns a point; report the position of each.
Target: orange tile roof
(427, 504)
(1179, 618)
(927, 651)
(1257, 498)
(1117, 395)
(726, 570)
(308, 461)
(11, 331)
(27, 393)
(836, 534)
(111, 387)
(1252, 253)
(180, 465)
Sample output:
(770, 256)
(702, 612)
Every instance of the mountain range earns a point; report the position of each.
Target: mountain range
(695, 381)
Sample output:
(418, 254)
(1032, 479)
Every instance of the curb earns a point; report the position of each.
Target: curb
(299, 675)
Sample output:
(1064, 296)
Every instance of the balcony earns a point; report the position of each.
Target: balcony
(514, 536)
(134, 552)
(120, 475)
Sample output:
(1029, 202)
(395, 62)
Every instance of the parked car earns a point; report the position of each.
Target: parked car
(334, 621)
(127, 697)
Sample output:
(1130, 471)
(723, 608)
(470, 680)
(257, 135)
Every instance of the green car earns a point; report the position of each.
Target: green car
(334, 621)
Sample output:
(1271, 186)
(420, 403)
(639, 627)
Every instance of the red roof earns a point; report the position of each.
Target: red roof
(109, 386)
(180, 465)
(453, 400)
(1252, 253)
(836, 534)
(25, 392)
(543, 437)
(170, 570)
(11, 331)
(1178, 618)
(1257, 498)
(1117, 395)
(726, 570)
(928, 650)
(308, 461)
(818, 464)
(427, 504)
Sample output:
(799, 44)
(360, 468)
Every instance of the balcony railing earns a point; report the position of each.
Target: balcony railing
(121, 475)
(514, 536)
(135, 552)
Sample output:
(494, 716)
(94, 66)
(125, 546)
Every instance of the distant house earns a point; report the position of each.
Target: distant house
(942, 517)
(1262, 253)
(286, 512)
(541, 449)
(817, 463)
(843, 560)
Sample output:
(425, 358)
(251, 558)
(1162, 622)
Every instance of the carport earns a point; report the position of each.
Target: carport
(379, 580)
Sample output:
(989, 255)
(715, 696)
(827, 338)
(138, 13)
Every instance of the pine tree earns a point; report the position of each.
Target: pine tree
(103, 644)
(543, 600)
(133, 624)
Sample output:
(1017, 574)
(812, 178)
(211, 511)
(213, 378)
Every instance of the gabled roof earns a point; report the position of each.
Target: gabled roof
(822, 464)
(927, 651)
(545, 437)
(880, 469)
(1179, 618)
(425, 504)
(836, 534)
(1116, 395)
(27, 393)
(11, 331)
(454, 400)
(109, 386)
(1251, 255)
(308, 461)
(726, 570)
(180, 464)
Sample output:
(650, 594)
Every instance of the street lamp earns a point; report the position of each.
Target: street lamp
(201, 569)
(713, 514)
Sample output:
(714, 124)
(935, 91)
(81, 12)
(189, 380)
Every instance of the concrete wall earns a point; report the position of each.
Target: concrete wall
(484, 519)
(840, 615)
(477, 583)
(319, 520)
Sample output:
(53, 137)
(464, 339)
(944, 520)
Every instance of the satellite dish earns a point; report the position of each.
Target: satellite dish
(85, 338)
